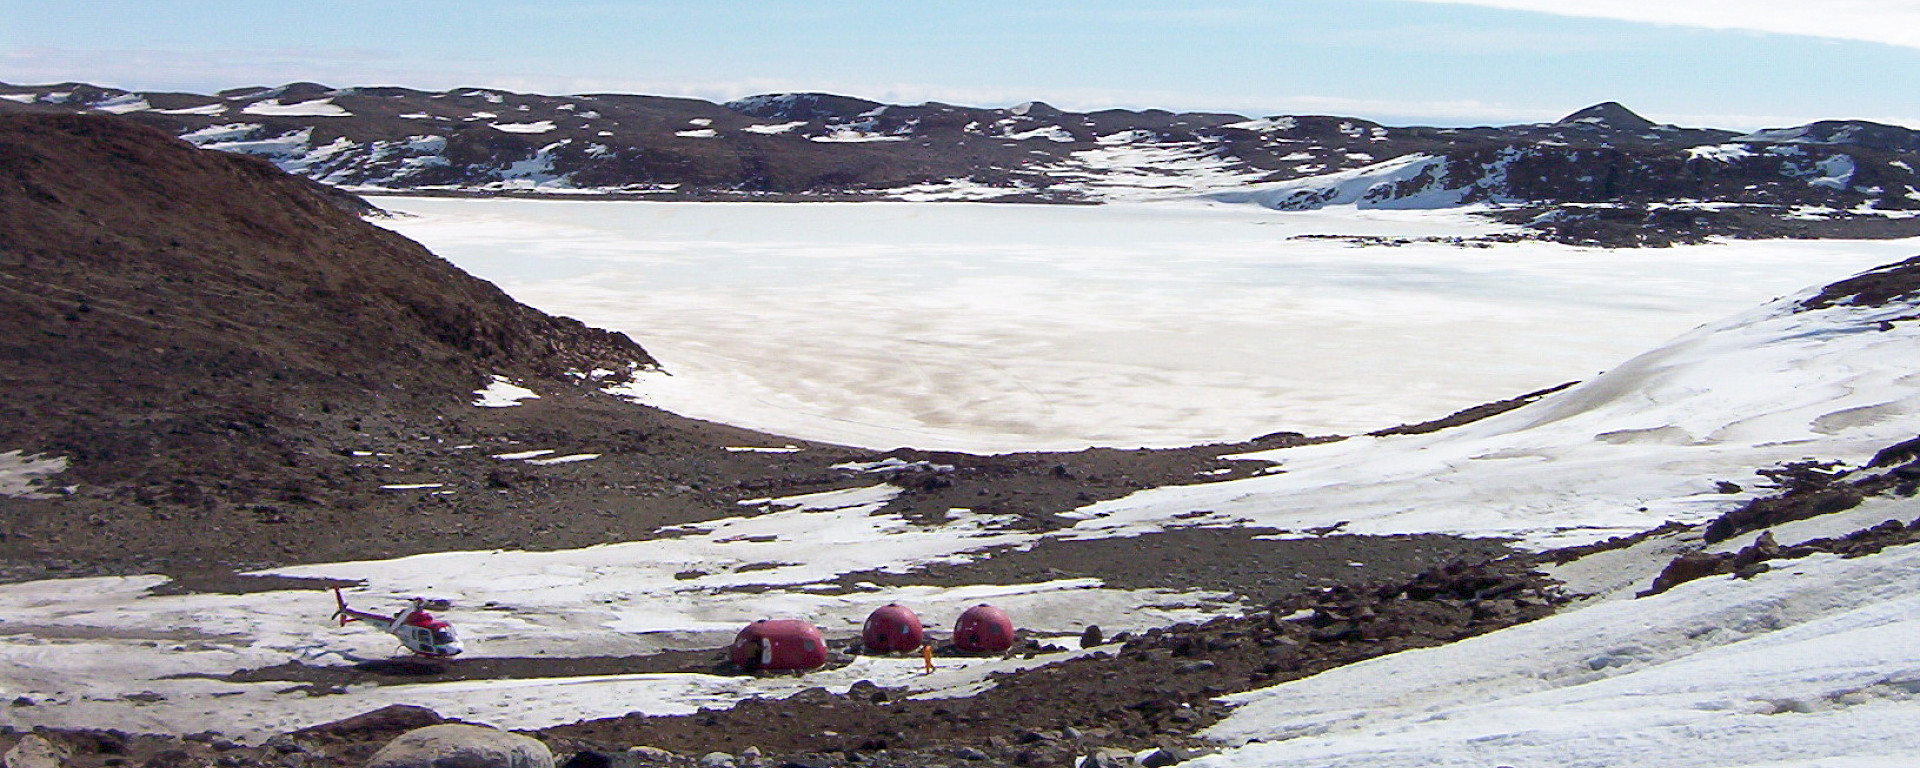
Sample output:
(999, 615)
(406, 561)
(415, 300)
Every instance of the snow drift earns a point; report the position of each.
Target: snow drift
(1648, 442)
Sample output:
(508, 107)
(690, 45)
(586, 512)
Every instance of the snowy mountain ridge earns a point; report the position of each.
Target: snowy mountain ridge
(1777, 182)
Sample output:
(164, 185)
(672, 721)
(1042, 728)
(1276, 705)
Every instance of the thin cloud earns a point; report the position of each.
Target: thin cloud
(1891, 22)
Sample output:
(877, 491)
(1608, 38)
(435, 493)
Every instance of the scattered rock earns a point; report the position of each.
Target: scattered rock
(1160, 757)
(172, 758)
(285, 744)
(1106, 758)
(650, 755)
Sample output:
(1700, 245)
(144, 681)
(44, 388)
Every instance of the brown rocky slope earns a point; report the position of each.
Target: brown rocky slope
(185, 326)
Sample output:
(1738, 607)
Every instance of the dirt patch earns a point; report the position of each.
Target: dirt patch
(1247, 563)
(410, 671)
(221, 581)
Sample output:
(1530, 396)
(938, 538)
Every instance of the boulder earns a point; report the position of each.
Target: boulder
(462, 746)
(1687, 567)
(34, 751)
(1161, 757)
(650, 755)
(1090, 637)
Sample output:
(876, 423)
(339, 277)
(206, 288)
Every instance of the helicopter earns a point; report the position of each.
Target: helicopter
(418, 630)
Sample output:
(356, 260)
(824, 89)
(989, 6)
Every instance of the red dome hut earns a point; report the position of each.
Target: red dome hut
(983, 629)
(778, 644)
(892, 628)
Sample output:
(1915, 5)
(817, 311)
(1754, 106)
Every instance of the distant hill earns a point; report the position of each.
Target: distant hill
(1830, 178)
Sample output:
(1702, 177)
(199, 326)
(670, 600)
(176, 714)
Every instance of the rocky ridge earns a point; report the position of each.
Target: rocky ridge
(1601, 175)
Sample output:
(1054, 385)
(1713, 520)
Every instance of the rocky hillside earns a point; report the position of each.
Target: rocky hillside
(1597, 175)
(188, 327)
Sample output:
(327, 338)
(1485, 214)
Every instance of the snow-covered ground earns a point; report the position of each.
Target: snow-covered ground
(1810, 664)
(104, 652)
(1642, 444)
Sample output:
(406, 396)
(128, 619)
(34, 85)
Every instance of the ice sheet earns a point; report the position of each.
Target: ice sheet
(1009, 327)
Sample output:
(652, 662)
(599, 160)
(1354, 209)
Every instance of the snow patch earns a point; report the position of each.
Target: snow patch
(1266, 124)
(203, 110)
(22, 475)
(891, 464)
(1052, 133)
(1834, 172)
(218, 134)
(316, 108)
(1721, 153)
(541, 126)
(502, 393)
(1411, 182)
(1809, 664)
(123, 104)
(567, 459)
(848, 134)
(774, 128)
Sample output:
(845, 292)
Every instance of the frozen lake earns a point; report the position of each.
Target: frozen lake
(986, 328)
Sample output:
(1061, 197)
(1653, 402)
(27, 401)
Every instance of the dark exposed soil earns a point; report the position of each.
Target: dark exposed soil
(1873, 287)
(1236, 561)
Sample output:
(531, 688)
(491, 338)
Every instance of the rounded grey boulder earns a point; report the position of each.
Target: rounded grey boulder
(34, 751)
(462, 746)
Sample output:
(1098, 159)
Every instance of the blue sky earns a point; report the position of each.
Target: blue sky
(1724, 63)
